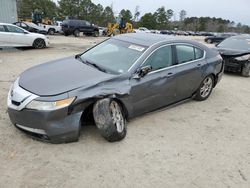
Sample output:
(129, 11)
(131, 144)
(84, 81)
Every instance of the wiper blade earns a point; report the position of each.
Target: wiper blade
(78, 56)
(96, 66)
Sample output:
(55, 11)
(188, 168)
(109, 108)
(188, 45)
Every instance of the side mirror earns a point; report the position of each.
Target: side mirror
(25, 32)
(143, 71)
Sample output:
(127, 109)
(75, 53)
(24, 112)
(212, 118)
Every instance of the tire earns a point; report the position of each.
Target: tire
(116, 32)
(205, 89)
(66, 34)
(76, 33)
(39, 44)
(246, 70)
(209, 41)
(51, 31)
(110, 119)
(96, 34)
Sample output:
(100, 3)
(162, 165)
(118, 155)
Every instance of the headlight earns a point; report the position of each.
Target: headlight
(42, 105)
(243, 58)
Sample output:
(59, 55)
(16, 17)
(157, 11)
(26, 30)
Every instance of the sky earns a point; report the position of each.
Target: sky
(234, 10)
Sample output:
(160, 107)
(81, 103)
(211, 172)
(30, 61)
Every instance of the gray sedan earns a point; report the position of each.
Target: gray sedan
(118, 79)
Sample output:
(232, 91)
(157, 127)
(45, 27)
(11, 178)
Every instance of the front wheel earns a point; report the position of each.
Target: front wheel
(76, 33)
(205, 89)
(39, 43)
(96, 34)
(110, 119)
(246, 70)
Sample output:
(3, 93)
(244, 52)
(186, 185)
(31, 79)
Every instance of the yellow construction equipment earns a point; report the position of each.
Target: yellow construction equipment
(115, 29)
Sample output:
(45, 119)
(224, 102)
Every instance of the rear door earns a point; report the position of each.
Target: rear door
(157, 88)
(190, 60)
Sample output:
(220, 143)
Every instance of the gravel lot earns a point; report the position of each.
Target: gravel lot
(194, 145)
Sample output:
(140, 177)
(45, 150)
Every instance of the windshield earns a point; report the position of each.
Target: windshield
(114, 55)
(236, 44)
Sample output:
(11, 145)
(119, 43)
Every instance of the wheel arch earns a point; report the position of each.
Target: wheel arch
(86, 107)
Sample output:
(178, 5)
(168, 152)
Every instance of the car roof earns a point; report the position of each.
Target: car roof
(144, 39)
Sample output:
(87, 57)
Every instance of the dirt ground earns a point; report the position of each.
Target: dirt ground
(193, 145)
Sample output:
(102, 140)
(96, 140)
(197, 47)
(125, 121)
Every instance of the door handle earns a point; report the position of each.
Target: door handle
(168, 75)
(198, 65)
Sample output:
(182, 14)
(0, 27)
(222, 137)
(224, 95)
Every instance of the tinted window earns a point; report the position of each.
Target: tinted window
(2, 28)
(88, 24)
(14, 29)
(198, 53)
(161, 58)
(185, 53)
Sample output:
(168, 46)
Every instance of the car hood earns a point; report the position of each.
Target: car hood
(37, 35)
(225, 52)
(61, 76)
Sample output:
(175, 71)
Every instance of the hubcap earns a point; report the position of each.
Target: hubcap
(39, 43)
(206, 87)
(117, 116)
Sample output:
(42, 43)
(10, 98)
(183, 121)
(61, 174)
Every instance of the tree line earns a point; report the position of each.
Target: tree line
(161, 19)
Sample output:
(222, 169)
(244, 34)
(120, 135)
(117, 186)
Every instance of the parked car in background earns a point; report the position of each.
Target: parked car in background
(155, 31)
(217, 38)
(142, 30)
(206, 34)
(75, 27)
(14, 36)
(121, 78)
(166, 32)
(52, 29)
(31, 27)
(102, 31)
(236, 53)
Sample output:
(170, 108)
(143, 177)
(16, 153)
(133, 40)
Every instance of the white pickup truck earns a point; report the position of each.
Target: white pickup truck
(52, 29)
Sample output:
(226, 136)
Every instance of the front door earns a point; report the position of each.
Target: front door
(158, 87)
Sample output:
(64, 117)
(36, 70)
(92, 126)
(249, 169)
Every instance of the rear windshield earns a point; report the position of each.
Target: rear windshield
(114, 55)
(242, 44)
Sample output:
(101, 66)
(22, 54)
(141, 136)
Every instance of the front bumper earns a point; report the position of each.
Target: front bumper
(55, 126)
(52, 126)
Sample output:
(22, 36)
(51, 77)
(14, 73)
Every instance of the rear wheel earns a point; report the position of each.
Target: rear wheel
(116, 32)
(51, 31)
(39, 43)
(205, 89)
(76, 33)
(110, 119)
(209, 41)
(246, 70)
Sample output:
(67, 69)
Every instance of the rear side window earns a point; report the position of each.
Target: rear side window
(187, 53)
(198, 53)
(2, 28)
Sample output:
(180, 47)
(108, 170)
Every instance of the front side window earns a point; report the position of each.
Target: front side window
(88, 23)
(14, 29)
(161, 58)
(2, 28)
